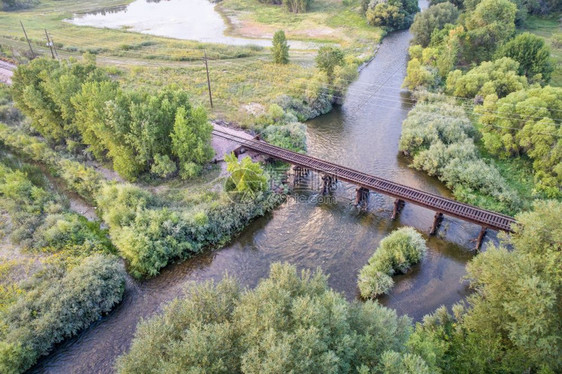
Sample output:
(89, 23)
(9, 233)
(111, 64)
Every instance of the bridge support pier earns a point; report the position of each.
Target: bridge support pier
(361, 197)
(300, 171)
(436, 223)
(481, 237)
(328, 183)
(398, 206)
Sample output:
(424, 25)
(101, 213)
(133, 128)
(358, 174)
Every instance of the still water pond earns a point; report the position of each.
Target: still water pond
(362, 134)
(181, 19)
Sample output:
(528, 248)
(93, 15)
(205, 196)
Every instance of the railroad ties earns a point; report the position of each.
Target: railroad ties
(332, 173)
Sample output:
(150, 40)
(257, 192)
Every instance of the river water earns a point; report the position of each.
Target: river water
(336, 237)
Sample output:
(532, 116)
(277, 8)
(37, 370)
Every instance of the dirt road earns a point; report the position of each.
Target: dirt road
(6, 72)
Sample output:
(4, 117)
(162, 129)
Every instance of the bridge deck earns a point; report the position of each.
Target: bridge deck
(436, 203)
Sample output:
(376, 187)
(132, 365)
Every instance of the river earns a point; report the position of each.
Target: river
(338, 238)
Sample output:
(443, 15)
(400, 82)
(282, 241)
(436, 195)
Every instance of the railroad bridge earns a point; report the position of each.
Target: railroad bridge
(365, 183)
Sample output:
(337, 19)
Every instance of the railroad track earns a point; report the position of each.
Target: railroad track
(485, 218)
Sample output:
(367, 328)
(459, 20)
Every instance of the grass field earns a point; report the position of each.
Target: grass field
(547, 27)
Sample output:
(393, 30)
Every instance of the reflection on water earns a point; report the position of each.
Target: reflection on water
(180, 19)
(338, 238)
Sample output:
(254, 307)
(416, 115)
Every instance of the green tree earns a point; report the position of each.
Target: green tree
(328, 58)
(246, 177)
(280, 48)
(391, 14)
(526, 123)
(43, 90)
(288, 323)
(431, 19)
(532, 54)
(489, 25)
(500, 77)
(191, 140)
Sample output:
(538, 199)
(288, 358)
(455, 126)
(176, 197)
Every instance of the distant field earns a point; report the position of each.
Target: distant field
(240, 75)
(327, 20)
(547, 27)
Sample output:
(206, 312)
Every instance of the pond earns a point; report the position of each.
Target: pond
(180, 19)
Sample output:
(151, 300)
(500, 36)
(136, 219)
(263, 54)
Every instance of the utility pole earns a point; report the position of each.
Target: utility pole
(49, 44)
(28, 42)
(208, 79)
(54, 48)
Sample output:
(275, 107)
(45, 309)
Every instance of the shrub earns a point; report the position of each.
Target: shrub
(557, 40)
(288, 323)
(163, 166)
(396, 253)
(291, 136)
(247, 178)
(328, 58)
(55, 308)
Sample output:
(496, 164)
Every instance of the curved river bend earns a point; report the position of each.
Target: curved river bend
(362, 134)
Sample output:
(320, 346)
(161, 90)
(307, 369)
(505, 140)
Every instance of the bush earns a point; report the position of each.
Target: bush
(557, 40)
(396, 253)
(328, 58)
(291, 136)
(288, 323)
(163, 166)
(54, 309)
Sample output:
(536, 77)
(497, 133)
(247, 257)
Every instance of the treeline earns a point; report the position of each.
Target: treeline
(79, 106)
(74, 278)
(295, 323)
(497, 77)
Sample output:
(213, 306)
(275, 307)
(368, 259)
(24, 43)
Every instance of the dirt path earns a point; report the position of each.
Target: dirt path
(6, 72)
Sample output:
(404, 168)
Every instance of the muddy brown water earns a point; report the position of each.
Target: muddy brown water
(336, 237)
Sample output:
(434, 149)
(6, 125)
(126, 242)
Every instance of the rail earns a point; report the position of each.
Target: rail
(439, 204)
